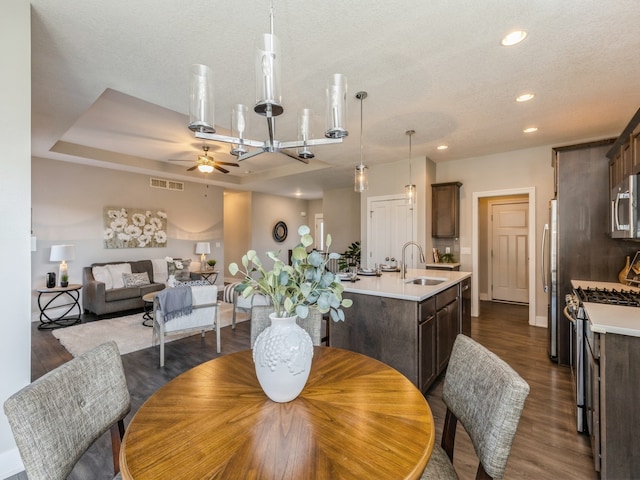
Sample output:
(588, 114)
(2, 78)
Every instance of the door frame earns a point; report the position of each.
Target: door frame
(475, 297)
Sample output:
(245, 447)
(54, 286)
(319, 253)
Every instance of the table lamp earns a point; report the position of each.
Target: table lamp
(62, 253)
(203, 248)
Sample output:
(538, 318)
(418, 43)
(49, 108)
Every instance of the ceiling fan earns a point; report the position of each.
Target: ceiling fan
(206, 163)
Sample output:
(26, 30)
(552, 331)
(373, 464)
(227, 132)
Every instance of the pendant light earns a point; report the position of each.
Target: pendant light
(361, 179)
(410, 188)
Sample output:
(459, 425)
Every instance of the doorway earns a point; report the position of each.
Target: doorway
(480, 257)
(391, 224)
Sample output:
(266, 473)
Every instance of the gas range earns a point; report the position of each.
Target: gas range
(622, 297)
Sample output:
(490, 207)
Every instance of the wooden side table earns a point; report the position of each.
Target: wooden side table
(147, 316)
(47, 321)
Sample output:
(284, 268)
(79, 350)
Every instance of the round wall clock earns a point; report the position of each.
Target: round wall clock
(280, 232)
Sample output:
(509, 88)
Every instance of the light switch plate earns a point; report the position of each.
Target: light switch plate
(465, 250)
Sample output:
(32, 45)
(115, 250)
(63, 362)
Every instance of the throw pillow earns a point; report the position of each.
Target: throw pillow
(135, 279)
(160, 270)
(102, 274)
(183, 274)
(116, 273)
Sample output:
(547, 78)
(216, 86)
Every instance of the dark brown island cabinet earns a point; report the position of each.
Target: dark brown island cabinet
(414, 336)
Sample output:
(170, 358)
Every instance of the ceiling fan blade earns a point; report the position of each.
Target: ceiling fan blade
(230, 164)
(192, 168)
(176, 160)
(223, 170)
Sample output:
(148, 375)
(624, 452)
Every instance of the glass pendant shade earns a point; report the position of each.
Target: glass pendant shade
(361, 181)
(336, 114)
(239, 120)
(201, 106)
(268, 98)
(410, 194)
(304, 133)
(410, 188)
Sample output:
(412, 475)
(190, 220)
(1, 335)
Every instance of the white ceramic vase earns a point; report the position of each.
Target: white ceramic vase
(282, 356)
(171, 281)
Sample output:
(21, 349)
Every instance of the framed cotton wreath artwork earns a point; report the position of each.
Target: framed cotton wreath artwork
(134, 228)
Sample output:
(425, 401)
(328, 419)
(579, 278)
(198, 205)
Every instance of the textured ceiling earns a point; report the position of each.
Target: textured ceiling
(110, 79)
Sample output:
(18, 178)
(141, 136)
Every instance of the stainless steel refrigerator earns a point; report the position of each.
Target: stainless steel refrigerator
(577, 242)
(550, 275)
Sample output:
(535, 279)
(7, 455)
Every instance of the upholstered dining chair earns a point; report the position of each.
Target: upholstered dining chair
(487, 396)
(260, 320)
(59, 416)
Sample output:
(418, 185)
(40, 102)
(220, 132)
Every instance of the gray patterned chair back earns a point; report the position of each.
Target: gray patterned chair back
(487, 396)
(58, 417)
(260, 320)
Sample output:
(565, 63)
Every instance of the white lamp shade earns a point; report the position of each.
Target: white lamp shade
(203, 247)
(61, 253)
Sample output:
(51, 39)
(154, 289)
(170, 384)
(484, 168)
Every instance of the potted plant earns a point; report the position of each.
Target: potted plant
(64, 280)
(211, 263)
(351, 257)
(282, 353)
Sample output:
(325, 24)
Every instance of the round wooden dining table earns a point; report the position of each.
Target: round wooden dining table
(355, 418)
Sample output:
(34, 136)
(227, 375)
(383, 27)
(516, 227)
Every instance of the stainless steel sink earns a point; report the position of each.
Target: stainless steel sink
(427, 281)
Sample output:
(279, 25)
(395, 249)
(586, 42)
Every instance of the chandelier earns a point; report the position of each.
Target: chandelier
(269, 105)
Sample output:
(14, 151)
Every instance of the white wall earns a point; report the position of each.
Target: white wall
(15, 204)
(503, 171)
(390, 179)
(68, 201)
(342, 218)
(266, 211)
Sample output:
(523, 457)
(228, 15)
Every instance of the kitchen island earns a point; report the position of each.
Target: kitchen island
(409, 326)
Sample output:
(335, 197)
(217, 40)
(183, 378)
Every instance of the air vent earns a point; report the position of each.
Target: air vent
(166, 184)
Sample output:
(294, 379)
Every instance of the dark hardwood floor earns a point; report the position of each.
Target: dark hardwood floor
(546, 444)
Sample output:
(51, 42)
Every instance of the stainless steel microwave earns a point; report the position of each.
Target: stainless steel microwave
(624, 209)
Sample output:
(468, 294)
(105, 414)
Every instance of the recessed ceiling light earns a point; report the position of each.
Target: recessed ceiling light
(513, 38)
(443, 147)
(525, 97)
(530, 130)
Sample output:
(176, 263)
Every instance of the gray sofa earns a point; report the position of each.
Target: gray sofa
(97, 299)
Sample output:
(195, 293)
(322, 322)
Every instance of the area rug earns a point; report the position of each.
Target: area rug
(128, 332)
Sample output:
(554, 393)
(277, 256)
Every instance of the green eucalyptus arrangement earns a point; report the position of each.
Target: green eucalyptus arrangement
(296, 288)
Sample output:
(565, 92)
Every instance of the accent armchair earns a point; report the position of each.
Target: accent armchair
(204, 315)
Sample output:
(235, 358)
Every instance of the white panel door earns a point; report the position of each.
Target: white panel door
(391, 226)
(510, 256)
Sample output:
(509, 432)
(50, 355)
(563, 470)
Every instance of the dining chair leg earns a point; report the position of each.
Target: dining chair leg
(217, 318)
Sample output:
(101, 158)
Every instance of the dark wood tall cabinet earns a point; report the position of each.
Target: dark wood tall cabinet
(585, 248)
(445, 218)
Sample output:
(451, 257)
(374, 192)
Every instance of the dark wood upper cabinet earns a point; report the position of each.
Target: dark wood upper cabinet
(445, 217)
(624, 155)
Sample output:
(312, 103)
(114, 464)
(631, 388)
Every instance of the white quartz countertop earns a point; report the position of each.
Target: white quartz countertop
(611, 318)
(390, 285)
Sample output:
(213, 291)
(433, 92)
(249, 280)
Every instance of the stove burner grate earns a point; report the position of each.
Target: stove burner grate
(626, 298)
